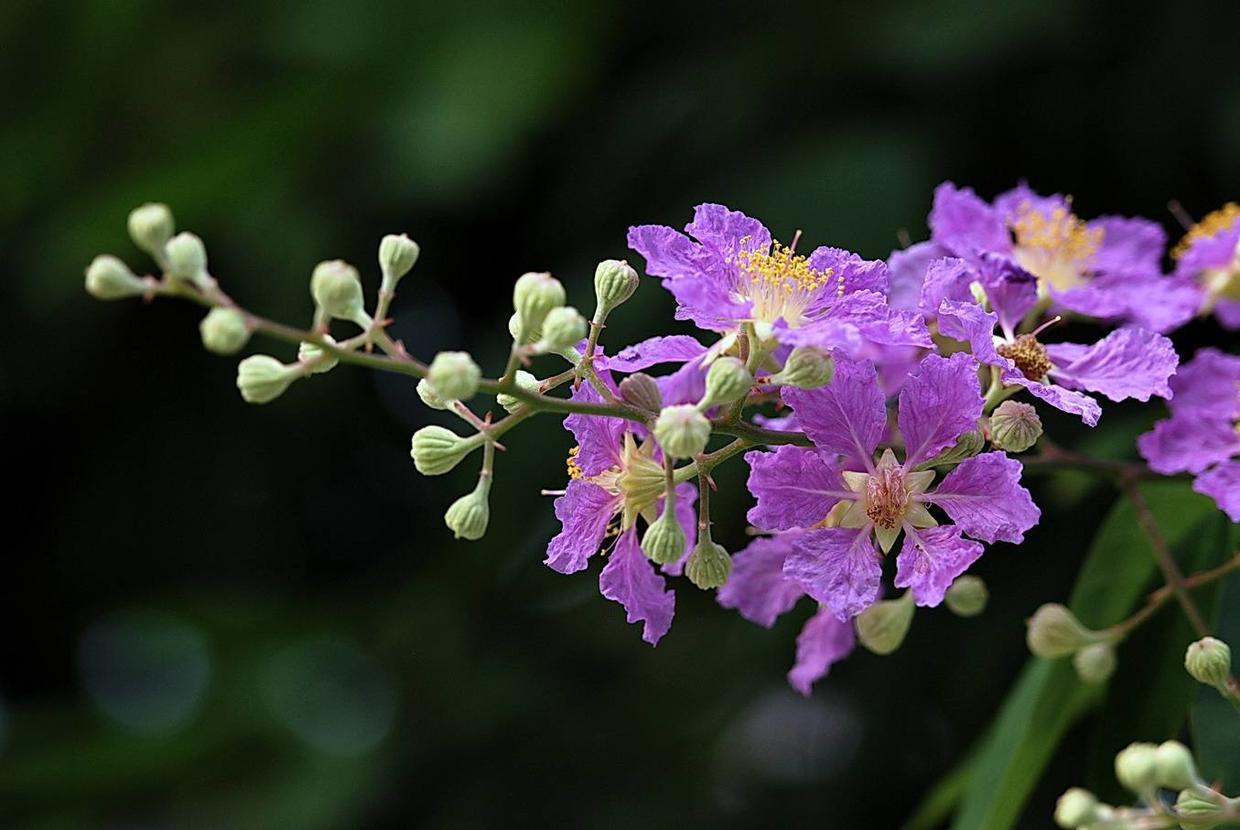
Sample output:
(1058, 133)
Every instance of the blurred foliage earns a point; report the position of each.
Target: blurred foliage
(227, 616)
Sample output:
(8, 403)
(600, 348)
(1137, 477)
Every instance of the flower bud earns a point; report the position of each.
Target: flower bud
(187, 258)
(436, 450)
(1209, 661)
(614, 282)
(1015, 426)
(1055, 632)
(682, 431)
(881, 627)
(261, 378)
(967, 445)
(1199, 808)
(1136, 768)
(309, 353)
(514, 329)
(150, 228)
(1094, 663)
(397, 255)
(979, 294)
(1176, 770)
(641, 390)
(709, 565)
(1075, 808)
(454, 375)
(727, 380)
(468, 516)
(563, 328)
(426, 391)
(523, 380)
(337, 292)
(224, 331)
(967, 596)
(807, 367)
(533, 297)
(107, 278)
(664, 540)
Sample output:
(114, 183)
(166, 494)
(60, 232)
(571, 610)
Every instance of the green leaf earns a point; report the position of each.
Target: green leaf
(1214, 722)
(1048, 698)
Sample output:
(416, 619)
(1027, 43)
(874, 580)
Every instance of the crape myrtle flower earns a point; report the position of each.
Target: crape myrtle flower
(1202, 436)
(729, 273)
(1108, 268)
(760, 591)
(853, 506)
(1208, 260)
(1129, 362)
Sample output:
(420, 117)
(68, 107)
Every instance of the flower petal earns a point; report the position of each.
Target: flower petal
(725, 231)
(907, 272)
(964, 224)
(1188, 442)
(985, 499)
(794, 487)
(676, 348)
(757, 587)
(667, 251)
(584, 511)
(839, 567)
(940, 401)
(823, 641)
(599, 439)
(1223, 485)
(629, 578)
(1208, 384)
(1127, 363)
(847, 416)
(931, 559)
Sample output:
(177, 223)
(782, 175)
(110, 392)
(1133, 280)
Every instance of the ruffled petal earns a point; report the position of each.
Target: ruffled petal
(964, 224)
(906, 271)
(1223, 485)
(984, 497)
(600, 440)
(1188, 442)
(793, 486)
(630, 579)
(757, 587)
(931, 559)
(676, 348)
(726, 231)
(667, 251)
(822, 642)
(584, 511)
(1127, 363)
(849, 272)
(1207, 384)
(941, 401)
(847, 416)
(839, 567)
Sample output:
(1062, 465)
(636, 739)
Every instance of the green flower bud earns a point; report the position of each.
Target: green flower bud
(1055, 632)
(727, 380)
(641, 390)
(524, 380)
(514, 329)
(187, 258)
(426, 391)
(1136, 768)
(709, 565)
(150, 228)
(967, 445)
(1095, 663)
(1209, 661)
(397, 255)
(533, 297)
(468, 516)
(682, 431)
(967, 596)
(1015, 426)
(454, 375)
(337, 292)
(309, 353)
(881, 627)
(1075, 808)
(614, 282)
(979, 294)
(664, 540)
(261, 378)
(1176, 770)
(563, 328)
(107, 278)
(807, 367)
(1199, 808)
(436, 450)
(224, 331)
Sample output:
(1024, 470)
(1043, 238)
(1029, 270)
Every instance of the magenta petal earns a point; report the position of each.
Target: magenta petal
(599, 439)
(839, 567)
(584, 511)
(794, 487)
(668, 252)
(940, 401)
(1127, 363)
(822, 642)
(629, 578)
(907, 272)
(985, 499)
(1130, 246)
(1188, 442)
(757, 587)
(726, 231)
(847, 416)
(1208, 384)
(849, 272)
(1223, 485)
(947, 278)
(931, 559)
(1065, 400)
(969, 322)
(964, 224)
(677, 348)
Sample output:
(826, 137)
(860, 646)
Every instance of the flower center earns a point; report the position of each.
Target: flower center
(779, 283)
(1056, 246)
(887, 497)
(1214, 223)
(1029, 356)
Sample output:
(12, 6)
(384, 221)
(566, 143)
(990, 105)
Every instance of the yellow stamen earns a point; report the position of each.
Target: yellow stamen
(1214, 223)
(574, 469)
(780, 282)
(1055, 246)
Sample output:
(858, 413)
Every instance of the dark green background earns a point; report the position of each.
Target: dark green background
(218, 615)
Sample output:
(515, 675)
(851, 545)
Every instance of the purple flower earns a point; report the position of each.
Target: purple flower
(1108, 268)
(853, 508)
(728, 273)
(1202, 436)
(1208, 262)
(760, 591)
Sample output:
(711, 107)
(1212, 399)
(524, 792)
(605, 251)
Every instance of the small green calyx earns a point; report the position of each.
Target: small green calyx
(1176, 768)
(881, 628)
(727, 381)
(1015, 426)
(150, 228)
(709, 565)
(1095, 663)
(1076, 808)
(186, 258)
(533, 297)
(318, 359)
(337, 292)
(1136, 768)
(523, 381)
(397, 256)
(664, 541)
(614, 283)
(261, 378)
(107, 278)
(805, 368)
(1209, 661)
(967, 596)
(562, 329)
(436, 450)
(640, 480)
(683, 431)
(1054, 631)
(224, 331)
(468, 516)
(454, 376)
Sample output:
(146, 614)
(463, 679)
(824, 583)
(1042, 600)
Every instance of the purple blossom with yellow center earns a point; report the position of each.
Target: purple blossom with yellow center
(1202, 436)
(1109, 267)
(728, 274)
(854, 505)
(1208, 261)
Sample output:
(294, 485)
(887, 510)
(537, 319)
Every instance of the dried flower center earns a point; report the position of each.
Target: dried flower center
(1029, 356)
(887, 497)
(779, 283)
(1055, 246)
(1214, 223)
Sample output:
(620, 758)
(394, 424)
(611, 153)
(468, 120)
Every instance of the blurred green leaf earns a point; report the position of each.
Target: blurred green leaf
(1214, 722)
